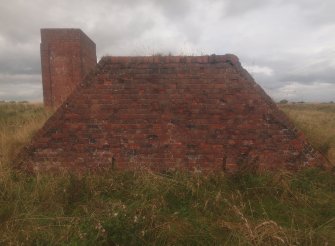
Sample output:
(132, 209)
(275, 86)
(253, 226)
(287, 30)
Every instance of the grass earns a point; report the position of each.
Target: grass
(145, 208)
(317, 121)
(18, 123)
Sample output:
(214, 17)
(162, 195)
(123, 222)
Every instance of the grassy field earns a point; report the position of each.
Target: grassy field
(144, 208)
(317, 121)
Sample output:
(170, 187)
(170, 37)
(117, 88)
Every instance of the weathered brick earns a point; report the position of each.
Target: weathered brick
(203, 112)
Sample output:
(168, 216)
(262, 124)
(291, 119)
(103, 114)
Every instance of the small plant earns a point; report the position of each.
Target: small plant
(283, 101)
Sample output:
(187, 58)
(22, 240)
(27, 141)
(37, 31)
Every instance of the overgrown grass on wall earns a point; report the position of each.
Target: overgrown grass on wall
(145, 208)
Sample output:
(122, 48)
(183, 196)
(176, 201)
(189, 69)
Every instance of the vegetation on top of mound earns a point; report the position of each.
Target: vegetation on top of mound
(145, 208)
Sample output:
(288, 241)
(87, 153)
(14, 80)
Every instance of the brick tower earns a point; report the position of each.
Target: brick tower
(67, 55)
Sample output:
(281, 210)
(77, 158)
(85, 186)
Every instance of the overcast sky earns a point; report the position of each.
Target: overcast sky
(287, 45)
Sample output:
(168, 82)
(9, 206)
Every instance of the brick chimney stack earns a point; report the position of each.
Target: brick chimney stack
(67, 55)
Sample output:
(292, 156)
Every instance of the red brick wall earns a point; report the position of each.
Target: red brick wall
(67, 55)
(201, 112)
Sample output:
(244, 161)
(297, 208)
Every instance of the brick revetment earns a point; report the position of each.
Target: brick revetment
(67, 55)
(162, 112)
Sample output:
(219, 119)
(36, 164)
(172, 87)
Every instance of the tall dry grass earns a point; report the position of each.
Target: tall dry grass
(317, 121)
(18, 122)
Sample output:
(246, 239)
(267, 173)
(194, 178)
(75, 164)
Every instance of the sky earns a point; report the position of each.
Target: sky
(288, 46)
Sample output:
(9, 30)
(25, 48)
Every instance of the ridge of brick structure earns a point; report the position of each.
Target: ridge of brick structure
(162, 112)
(67, 55)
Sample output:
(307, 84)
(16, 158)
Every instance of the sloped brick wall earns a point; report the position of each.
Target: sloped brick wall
(67, 55)
(201, 112)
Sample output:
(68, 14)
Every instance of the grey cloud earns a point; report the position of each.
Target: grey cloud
(19, 58)
(285, 74)
(109, 37)
(316, 12)
(295, 39)
(21, 87)
(20, 64)
(326, 75)
(234, 7)
(175, 9)
(17, 79)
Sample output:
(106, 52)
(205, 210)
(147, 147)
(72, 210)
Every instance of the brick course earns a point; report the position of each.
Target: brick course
(162, 112)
